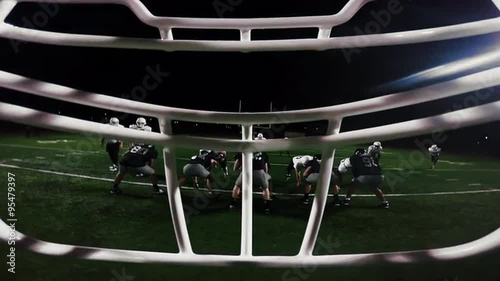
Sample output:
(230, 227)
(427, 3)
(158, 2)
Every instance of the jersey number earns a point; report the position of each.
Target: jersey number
(257, 156)
(139, 150)
(368, 161)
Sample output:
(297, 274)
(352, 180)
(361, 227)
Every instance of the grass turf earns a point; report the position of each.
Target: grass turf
(69, 208)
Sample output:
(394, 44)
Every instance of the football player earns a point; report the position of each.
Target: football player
(287, 152)
(365, 172)
(296, 163)
(200, 166)
(375, 150)
(260, 178)
(311, 176)
(141, 125)
(137, 159)
(434, 152)
(260, 136)
(222, 161)
(113, 146)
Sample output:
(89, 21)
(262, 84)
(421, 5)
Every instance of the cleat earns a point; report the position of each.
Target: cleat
(157, 191)
(305, 201)
(346, 202)
(115, 191)
(383, 205)
(139, 175)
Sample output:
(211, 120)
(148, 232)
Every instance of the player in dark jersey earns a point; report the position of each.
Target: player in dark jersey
(365, 171)
(200, 166)
(222, 161)
(260, 178)
(137, 159)
(311, 176)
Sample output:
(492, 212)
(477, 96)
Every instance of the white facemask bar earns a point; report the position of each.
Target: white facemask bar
(166, 41)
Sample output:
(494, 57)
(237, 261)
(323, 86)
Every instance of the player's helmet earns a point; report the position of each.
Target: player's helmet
(140, 122)
(114, 121)
(359, 151)
(377, 144)
(317, 157)
(260, 136)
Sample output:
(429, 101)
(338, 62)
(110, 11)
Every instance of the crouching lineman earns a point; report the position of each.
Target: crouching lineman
(296, 163)
(222, 161)
(365, 172)
(434, 151)
(311, 176)
(113, 146)
(200, 166)
(137, 160)
(260, 178)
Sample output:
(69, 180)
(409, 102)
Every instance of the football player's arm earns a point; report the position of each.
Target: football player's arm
(307, 172)
(297, 173)
(266, 160)
(237, 164)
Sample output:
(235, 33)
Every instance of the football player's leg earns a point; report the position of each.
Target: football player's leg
(109, 150)
(196, 183)
(350, 191)
(270, 185)
(150, 172)
(210, 183)
(289, 169)
(309, 181)
(200, 171)
(261, 179)
(118, 179)
(335, 182)
(190, 171)
(236, 192)
(116, 151)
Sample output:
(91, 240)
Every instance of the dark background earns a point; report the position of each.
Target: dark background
(217, 81)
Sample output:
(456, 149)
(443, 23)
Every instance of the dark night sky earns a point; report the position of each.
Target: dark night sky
(293, 79)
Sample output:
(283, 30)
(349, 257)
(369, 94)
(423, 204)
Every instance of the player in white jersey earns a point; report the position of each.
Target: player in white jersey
(141, 125)
(260, 136)
(375, 150)
(296, 163)
(113, 146)
(434, 152)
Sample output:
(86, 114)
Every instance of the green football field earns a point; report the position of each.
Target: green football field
(62, 195)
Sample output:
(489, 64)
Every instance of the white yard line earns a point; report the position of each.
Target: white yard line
(229, 191)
